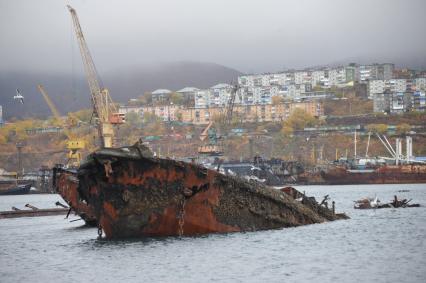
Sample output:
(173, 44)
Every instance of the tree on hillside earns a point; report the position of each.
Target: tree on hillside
(403, 128)
(83, 115)
(133, 119)
(377, 128)
(176, 98)
(298, 120)
(146, 98)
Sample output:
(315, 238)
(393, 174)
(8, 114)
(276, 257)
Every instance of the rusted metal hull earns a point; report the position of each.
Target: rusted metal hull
(133, 194)
(66, 184)
(403, 174)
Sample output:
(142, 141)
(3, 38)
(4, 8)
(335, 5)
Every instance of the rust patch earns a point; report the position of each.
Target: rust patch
(198, 218)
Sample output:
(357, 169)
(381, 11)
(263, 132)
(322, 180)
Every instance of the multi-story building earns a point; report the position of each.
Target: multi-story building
(397, 102)
(418, 101)
(188, 93)
(352, 73)
(202, 98)
(367, 72)
(246, 113)
(336, 76)
(220, 95)
(160, 95)
(385, 71)
(316, 77)
(302, 77)
(380, 86)
(420, 84)
(252, 113)
(375, 87)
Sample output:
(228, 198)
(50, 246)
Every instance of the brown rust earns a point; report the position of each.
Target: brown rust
(66, 184)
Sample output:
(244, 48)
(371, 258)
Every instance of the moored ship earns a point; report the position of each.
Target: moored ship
(386, 174)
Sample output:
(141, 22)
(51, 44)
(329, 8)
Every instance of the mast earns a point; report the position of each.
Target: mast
(355, 145)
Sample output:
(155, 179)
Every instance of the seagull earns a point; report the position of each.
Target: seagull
(19, 96)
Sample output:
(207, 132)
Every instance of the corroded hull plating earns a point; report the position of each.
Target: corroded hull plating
(136, 195)
(403, 174)
(66, 184)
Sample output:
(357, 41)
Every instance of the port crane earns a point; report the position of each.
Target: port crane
(213, 147)
(73, 145)
(104, 110)
(229, 110)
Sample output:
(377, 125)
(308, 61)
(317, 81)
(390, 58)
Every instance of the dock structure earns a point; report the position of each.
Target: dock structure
(34, 212)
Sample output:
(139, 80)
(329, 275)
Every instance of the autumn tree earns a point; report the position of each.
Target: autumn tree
(298, 120)
(377, 128)
(133, 119)
(176, 98)
(403, 128)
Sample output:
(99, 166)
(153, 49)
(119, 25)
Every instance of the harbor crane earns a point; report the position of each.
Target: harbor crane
(73, 145)
(104, 110)
(229, 110)
(213, 147)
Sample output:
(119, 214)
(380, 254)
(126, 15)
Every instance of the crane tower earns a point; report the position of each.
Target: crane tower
(104, 110)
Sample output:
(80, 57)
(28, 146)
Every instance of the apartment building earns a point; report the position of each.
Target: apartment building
(160, 95)
(252, 113)
(202, 98)
(399, 102)
(420, 84)
(246, 113)
(393, 85)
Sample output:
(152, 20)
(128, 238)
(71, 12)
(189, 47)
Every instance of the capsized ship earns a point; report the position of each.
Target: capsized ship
(131, 193)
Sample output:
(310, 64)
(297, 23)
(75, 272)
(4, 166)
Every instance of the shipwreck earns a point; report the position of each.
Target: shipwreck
(131, 193)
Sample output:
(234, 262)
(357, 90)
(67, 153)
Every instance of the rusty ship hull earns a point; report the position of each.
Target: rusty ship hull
(65, 182)
(394, 174)
(133, 194)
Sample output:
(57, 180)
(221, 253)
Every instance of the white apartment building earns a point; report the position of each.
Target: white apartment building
(202, 98)
(420, 84)
(317, 76)
(367, 72)
(376, 87)
(302, 77)
(220, 95)
(160, 95)
(380, 86)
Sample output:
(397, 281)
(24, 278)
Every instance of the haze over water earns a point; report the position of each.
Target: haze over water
(386, 245)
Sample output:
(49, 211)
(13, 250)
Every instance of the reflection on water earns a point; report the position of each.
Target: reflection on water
(373, 246)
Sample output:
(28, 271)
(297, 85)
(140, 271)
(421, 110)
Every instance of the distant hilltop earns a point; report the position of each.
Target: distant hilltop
(70, 92)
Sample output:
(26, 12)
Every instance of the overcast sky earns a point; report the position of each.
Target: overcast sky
(248, 35)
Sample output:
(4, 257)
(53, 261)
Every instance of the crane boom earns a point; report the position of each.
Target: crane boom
(49, 102)
(103, 107)
(204, 134)
(230, 106)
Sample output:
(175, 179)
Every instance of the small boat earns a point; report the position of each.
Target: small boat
(16, 190)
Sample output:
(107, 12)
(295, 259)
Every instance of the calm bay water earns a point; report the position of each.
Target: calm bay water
(386, 245)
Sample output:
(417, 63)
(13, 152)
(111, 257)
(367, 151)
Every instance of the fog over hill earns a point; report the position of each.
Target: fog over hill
(70, 92)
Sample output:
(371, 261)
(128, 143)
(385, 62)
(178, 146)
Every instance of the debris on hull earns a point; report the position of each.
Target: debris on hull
(135, 195)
